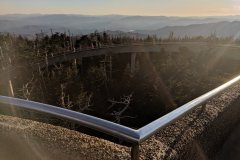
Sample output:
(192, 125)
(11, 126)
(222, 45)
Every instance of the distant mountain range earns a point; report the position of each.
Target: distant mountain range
(220, 29)
(134, 25)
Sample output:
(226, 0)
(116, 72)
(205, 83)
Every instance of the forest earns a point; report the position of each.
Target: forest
(104, 86)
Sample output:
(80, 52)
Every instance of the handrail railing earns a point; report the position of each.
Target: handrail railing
(128, 134)
(176, 114)
(92, 122)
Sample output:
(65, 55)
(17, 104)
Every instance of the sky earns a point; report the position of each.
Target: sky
(123, 7)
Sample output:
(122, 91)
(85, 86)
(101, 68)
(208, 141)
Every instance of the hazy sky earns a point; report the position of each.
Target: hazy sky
(126, 7)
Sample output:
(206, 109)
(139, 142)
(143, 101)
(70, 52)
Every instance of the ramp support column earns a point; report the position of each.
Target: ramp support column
(133, 62)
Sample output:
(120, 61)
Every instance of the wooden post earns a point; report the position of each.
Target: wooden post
(135, 152)
(133, 62)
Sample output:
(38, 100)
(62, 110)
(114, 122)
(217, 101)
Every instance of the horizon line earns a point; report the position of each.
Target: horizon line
(43, 14)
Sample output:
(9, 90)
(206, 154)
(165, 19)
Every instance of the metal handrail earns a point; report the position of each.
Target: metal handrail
(153, 127)
(92, 122)
(128, 134)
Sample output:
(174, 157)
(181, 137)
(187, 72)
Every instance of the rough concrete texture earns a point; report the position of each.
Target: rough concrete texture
(45, 141)
(183, 134)
(25, 139)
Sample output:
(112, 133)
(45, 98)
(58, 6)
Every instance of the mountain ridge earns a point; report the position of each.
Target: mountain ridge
(152, 25)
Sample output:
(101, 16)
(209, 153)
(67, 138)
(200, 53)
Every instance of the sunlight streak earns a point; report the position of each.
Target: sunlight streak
(221, 52)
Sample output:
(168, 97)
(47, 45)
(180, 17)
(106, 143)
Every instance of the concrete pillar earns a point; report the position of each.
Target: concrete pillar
(80, 61)
(110, 66)
(133, 62)
(75, 62)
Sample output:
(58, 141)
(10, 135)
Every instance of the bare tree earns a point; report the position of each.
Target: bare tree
(27, 89)
(87, 105)
(65, 100)
(118, 115)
